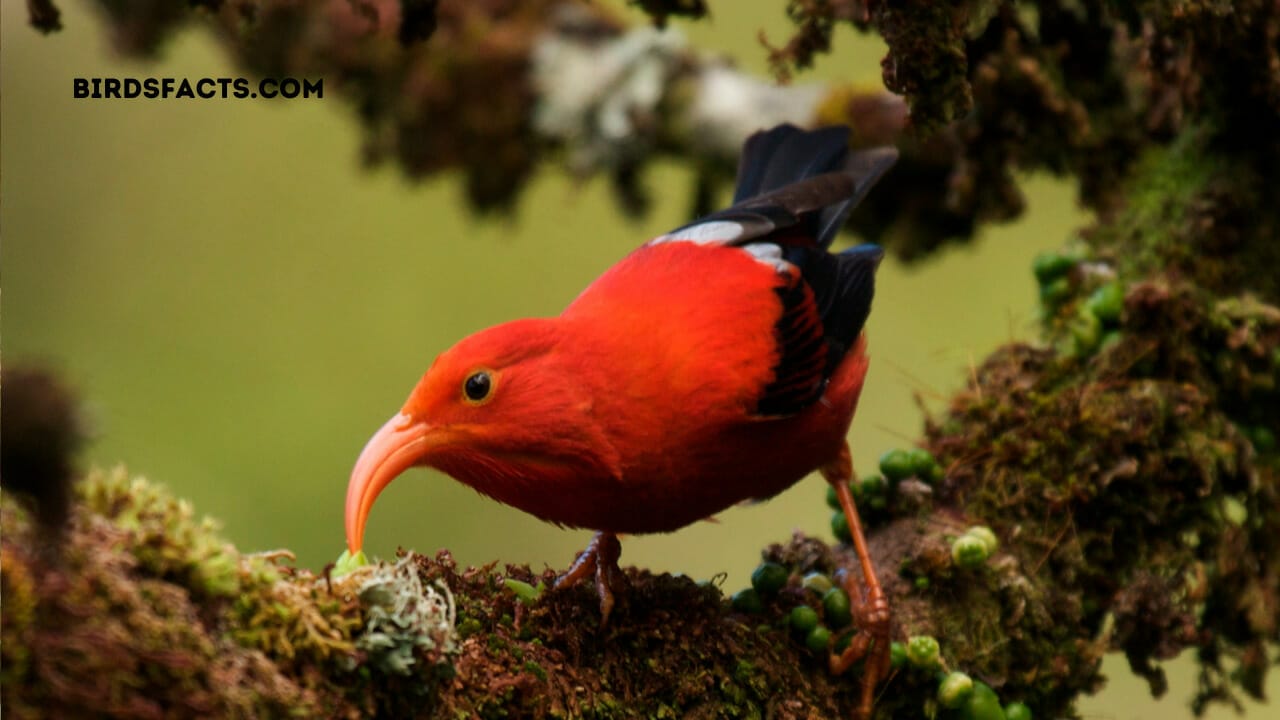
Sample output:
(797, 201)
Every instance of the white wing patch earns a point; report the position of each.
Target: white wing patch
(769, 254)
(724, 232)
(709, 233)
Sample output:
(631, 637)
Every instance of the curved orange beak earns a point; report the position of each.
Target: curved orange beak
(397, 446)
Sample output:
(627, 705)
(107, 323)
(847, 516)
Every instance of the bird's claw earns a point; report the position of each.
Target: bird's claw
(871, 614)
(866, 596)
(600, 558)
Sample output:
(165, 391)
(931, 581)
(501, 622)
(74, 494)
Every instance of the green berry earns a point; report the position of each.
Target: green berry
(747, 600)
(968, 551)
(840, 527)
(896, 465)
(897, 654)
(984, 533)
(1106, 303)
(1017, 711)
(922, 463)
(955, 689)
(816, 582)
(1264, 441)
(346, 563)
(921, 582)
(1086, 331)
(872, 485)
(803, 619)
(818, 639)
(769, 578)
(1055, 293)
(923, 652)
(983, 704)
(835, 603)
(1110, 339)
(1049, 266)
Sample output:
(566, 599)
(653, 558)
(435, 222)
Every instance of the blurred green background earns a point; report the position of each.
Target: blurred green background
(241, 305)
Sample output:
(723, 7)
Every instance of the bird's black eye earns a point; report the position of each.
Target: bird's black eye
(478, 386)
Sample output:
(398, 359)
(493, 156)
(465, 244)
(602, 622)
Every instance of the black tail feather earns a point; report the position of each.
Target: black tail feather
(795, 190)
(774, 161)
(785, 155)
(866, 167)
(855, 288)
(843, 286)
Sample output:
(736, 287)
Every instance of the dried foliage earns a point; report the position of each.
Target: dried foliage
(661, 10)
(44, 15)
(42, 432)
(992, 88)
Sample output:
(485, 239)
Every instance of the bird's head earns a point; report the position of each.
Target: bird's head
(493, 407)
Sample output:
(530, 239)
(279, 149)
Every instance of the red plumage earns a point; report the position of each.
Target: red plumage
(617, 419)
(719, 363)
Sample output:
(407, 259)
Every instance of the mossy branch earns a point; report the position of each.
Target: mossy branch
(1128, 467)
(1129, 470)
(986, 89)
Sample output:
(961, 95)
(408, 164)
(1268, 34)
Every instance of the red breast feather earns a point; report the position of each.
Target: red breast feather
(718, 363)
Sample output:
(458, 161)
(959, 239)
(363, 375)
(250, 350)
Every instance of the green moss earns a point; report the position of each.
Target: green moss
(166, 537)
(1195, 208)
(1158, 201)
(1103, 449)
(121, 617)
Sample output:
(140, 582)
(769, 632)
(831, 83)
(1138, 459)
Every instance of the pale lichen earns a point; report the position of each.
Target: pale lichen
(405, 618)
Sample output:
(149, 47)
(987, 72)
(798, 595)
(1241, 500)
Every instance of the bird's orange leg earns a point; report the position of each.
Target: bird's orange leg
(869, 604)
(601, 559)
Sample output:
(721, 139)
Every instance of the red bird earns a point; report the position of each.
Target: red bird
(718, 363)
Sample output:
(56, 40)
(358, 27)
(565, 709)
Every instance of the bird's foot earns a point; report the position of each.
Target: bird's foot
(870, 642)
(601, 559)
(866, 597)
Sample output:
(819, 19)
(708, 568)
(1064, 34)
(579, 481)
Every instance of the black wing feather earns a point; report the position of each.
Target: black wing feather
(795, 189)
(799, 377)
(786, 155)
(865, 168)
(825, 304)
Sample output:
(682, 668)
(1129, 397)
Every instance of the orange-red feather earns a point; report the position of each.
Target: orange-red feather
(718, 363)
(634, 411)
